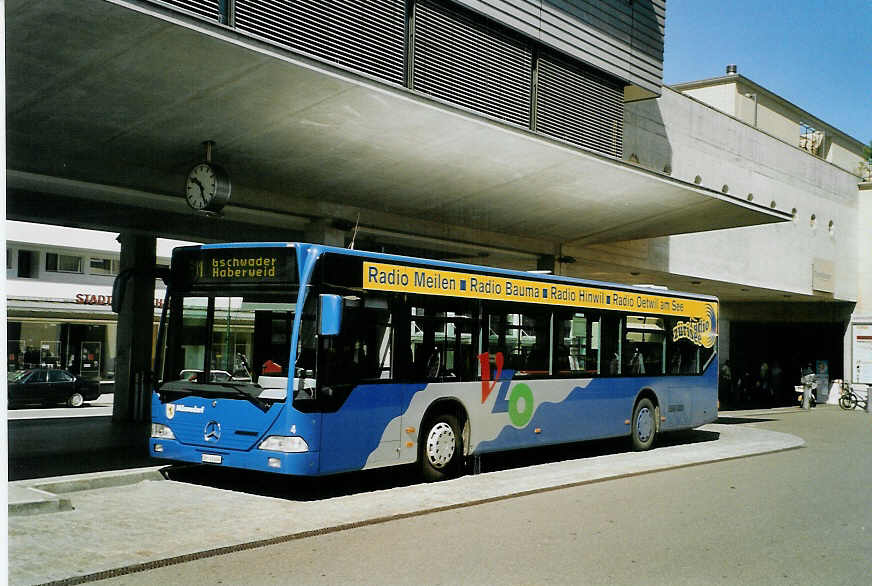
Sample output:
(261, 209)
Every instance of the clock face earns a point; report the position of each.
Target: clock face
(207, 187)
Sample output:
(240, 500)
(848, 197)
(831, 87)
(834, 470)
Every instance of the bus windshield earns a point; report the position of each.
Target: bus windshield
(229, 344)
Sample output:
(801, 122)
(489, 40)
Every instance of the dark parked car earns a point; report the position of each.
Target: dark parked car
(50, 386)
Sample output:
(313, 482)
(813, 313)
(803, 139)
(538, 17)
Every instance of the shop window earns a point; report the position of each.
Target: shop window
(102, 266)
(523, 339)
(26, 264)
(644, 345)
(15, 349)
(62, 263)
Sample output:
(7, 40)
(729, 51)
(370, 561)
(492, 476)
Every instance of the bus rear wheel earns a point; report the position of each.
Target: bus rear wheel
(441, 448)
(644, 425)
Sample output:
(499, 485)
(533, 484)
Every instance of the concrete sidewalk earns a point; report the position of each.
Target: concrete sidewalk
(95, 525)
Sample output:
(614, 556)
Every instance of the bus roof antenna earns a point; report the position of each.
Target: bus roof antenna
(354, 235)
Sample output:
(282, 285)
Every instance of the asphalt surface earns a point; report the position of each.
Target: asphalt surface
(795, 517)
(136, 519)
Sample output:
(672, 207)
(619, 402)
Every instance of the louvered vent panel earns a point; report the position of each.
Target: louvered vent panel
(206, 8)
(579, 106)
(464, 62)
(367, 36)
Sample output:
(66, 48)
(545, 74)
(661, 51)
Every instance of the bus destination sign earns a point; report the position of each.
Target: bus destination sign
(238, 266)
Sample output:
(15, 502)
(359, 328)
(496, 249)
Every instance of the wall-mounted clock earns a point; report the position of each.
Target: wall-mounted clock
(207, 187)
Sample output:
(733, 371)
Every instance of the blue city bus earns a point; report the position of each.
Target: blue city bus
(304, 359)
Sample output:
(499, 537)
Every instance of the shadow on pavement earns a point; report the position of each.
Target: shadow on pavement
(27, 468)
(740, 420)
(42, 448)
(314, 489)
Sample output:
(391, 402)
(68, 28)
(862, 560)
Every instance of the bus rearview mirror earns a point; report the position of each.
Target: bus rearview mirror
(331, 315)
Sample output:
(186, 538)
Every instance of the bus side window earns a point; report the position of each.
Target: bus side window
(684, 355)
(577, 343)
(362, 350)
(522, 334)
(443, 339)
(644, 345)
(610, 344)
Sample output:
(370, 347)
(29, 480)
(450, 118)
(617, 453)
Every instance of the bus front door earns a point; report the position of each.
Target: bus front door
(365, 431)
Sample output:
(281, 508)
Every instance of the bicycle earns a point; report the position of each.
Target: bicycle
(849, 399)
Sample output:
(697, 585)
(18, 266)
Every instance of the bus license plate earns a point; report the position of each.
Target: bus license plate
(212, 458)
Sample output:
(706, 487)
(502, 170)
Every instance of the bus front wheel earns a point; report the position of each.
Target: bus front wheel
(441, 448)
(644, 425)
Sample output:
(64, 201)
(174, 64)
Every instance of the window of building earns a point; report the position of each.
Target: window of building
(102, 266)
(812, 140)
(62, 263)
(8, 259)
(27, 264)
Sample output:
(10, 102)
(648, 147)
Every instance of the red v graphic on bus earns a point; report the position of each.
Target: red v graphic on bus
(484, 359)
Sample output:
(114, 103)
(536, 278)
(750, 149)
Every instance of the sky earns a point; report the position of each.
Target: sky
(816, 54)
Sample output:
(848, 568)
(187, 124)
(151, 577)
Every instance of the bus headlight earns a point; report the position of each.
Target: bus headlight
(161, 431)
(281, 443)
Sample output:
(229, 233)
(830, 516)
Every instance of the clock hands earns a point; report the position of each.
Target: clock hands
(196, 181)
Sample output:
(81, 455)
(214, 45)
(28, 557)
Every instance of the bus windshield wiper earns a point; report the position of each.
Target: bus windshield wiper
(256, 401)
(178, 389)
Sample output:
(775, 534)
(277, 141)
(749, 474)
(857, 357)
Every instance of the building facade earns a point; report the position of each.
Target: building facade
(794, 294)
(59, 298)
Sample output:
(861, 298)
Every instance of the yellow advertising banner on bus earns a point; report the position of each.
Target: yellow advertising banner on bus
(701, 327)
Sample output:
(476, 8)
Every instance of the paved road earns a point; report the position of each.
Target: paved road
(101, 406)
(63, 440)
(796, 517)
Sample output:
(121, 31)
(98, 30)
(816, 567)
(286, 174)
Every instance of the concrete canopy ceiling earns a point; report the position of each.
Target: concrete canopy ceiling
(122, 94)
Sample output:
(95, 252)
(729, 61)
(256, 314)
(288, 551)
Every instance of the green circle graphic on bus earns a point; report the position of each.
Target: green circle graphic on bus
(521, 405)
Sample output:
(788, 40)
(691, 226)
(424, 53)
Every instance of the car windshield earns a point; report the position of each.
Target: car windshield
(14, 377)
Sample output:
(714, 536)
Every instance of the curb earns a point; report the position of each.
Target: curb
(38, 496)
(76, 483)
(32, 501)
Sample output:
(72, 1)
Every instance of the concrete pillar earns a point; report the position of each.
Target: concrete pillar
(323, 232)
(135, 330)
